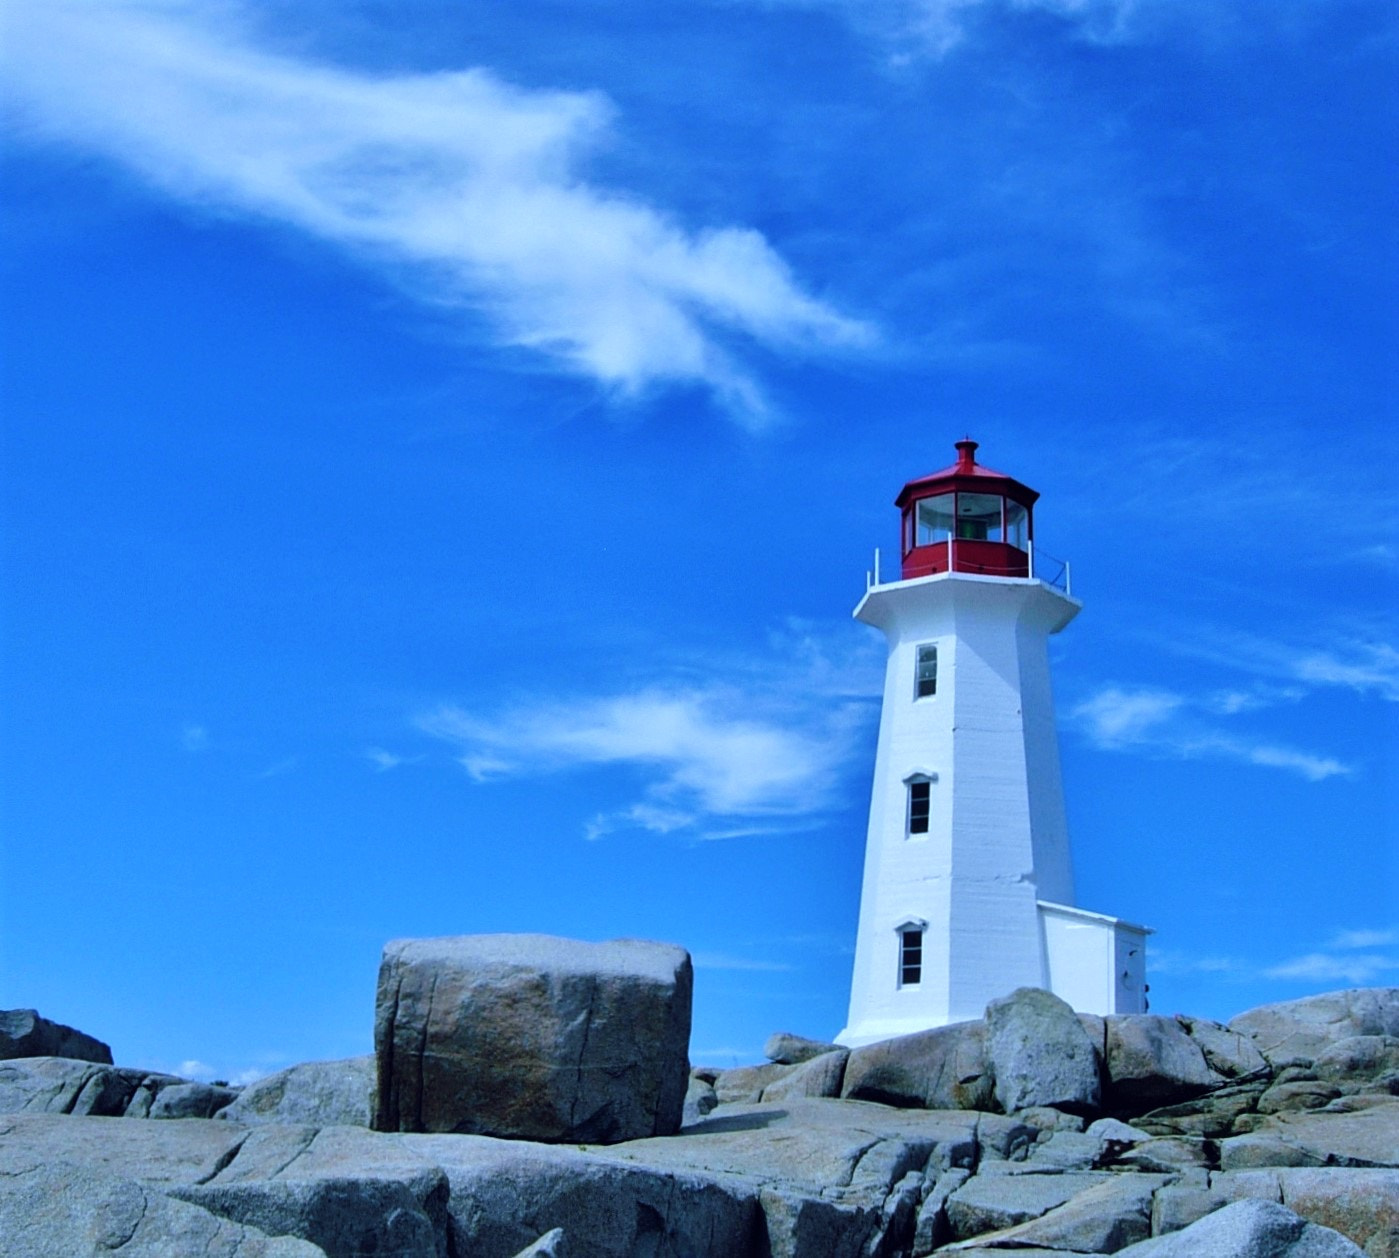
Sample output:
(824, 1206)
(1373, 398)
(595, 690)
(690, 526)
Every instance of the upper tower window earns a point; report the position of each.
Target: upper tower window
(926, 676)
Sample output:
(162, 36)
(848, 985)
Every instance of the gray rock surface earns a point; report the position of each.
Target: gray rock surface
(1363, 1137)
(506, 1193)
(1361, 1204)
(73, 1212)
(700, 1099)
(1100, 1219)
(533, 1037)
(947, 1068)
(744, 1085)
(791, 1050)
(1040, 1053)
(1301, 1030)
(316, 1093)
(1248, 1229)
(342, 1188)
(932, 1226)
(23, 1033)
(1358, 1060)
(992, 1203)
(188, 1100)
(1151, 1061)
(817, 1076)
(1228, 1053)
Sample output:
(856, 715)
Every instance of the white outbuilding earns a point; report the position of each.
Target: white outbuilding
(968, 884)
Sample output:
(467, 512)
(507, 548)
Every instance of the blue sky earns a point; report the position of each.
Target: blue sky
(443, 443)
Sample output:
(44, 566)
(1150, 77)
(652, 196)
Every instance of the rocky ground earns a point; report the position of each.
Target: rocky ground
(1035, 1130)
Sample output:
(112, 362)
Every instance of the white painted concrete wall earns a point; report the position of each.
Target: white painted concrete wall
(992, 877)
(1096, 963)
(998, 839)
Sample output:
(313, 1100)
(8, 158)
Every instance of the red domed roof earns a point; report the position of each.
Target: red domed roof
(967, 473)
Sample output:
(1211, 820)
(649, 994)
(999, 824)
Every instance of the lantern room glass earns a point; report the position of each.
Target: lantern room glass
(1017, 524)
(979, 517)
(934, 520)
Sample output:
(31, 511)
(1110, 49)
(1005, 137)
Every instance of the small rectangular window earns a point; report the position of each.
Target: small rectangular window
(926, 680)
(910, 958)
(919, 806)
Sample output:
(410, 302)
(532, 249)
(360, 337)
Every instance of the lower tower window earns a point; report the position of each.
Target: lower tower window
(920, 800)
(910, 957)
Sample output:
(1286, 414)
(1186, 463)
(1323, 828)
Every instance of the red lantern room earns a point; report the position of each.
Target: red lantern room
(967, 518)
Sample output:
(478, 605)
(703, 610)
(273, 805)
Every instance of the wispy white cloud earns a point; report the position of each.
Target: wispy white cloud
(384, 761)
(194, 738)
(1347, 958)
(1350, 956)
(934, 28)
(279, 769)
(713, 756)
(1167, 961)
(1363, 664)
(1329, 967)
(1160, 722)
(1348, 939)
(473, 191)
(757, 747)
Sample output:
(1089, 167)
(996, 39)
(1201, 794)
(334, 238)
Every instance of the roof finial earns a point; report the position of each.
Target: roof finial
(966, 454)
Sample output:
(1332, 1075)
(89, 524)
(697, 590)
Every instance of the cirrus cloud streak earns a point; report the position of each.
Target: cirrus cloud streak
(468, 189)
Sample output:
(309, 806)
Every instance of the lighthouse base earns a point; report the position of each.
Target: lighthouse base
(1096, 963)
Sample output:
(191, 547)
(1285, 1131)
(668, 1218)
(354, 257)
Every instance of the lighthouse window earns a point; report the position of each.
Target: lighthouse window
(979, 517)
(1017, 524)
(926, 682)
(934, 519)
(920, 799)
(910, 958)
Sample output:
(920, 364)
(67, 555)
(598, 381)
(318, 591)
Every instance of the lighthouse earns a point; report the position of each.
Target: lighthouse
(968, 886)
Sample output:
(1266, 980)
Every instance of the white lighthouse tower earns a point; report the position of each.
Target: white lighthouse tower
(968, 884)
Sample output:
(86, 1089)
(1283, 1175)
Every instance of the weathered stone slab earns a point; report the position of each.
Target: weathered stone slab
(1301, 1030)
(1211, 1116)
(74, 1211)
(1040, 1053)
(817, 1076)
(156, 1153)
(1360, 1204)
(533, 1037)
(991, 1203)
(1100, 1219)
(187, 1100)
(315, 1093)
(791, 1050)
(932, 1228)
(23, 1033)
(506, 1193)
(744, 1085)
(1359, 1060)
(1364, 1137)
(946, 1068)
(1248, 1229)
(1151, 1062)
(345, 1189)
(1228, 1053)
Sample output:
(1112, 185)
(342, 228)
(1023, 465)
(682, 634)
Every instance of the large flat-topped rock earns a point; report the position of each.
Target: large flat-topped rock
(532, 1036)
(24, 1033)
